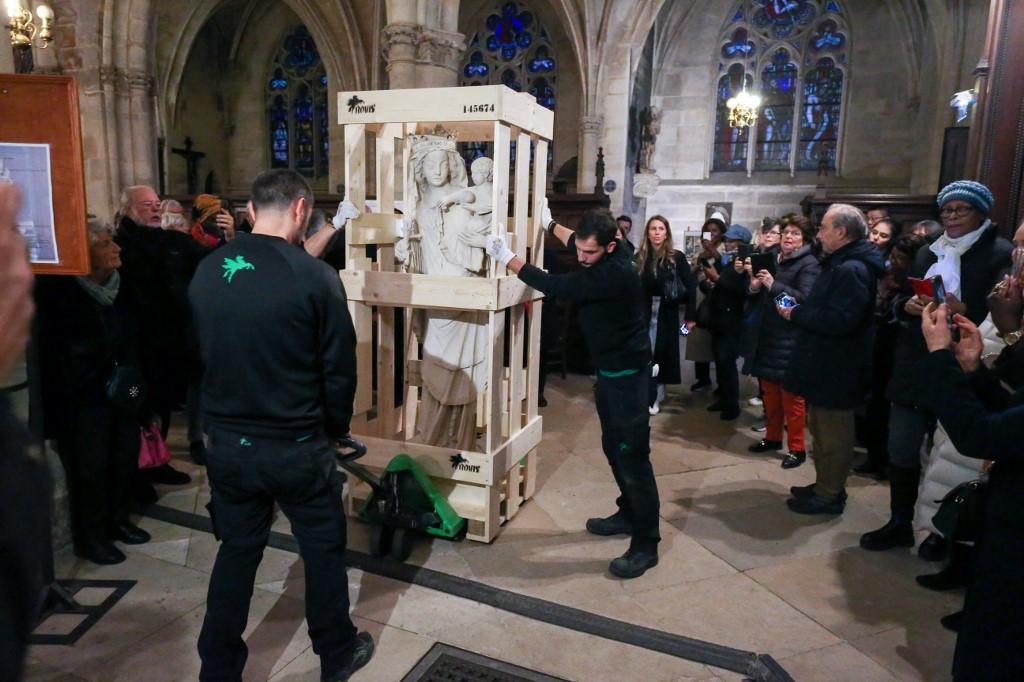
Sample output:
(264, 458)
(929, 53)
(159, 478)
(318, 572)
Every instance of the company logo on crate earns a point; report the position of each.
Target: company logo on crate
(459, 463)
(357, 105)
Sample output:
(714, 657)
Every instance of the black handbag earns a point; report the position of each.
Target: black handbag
(126, 389)
(961, 512)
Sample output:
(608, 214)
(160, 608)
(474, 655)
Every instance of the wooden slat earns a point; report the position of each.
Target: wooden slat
(372, 228)
(515, 388)
(520, 217)
(499, 196)
(435, 291)
(355, 191)
(537, 257)
(496, 371)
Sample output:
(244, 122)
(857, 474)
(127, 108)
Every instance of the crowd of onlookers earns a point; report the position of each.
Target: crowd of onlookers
(868, 333)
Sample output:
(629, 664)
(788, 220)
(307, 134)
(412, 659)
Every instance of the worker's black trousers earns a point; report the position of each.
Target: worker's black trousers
(622, 403)
(247, 476)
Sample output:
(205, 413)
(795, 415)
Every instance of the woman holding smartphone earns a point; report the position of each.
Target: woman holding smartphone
(771, 339)
(668, 283)
(698, 343)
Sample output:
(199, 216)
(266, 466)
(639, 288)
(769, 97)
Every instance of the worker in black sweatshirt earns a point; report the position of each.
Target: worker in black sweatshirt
(611, 299)
(278, 347)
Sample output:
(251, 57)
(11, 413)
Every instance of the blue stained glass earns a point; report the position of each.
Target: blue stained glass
(544, 92)
(738, 46)
(509, 79)
(278, 133)
(833, 7)
(819, 116)
(738, 16)
(476, 66)
(304, 144)
(301, 51)
(730, 143)
(509, 31)
(783, 17)
(775, 120)
(278, 81)
(323, 126)
(323, 80)
(827, 38)
(541, 61)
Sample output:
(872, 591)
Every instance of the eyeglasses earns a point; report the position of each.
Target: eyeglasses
(959, 211)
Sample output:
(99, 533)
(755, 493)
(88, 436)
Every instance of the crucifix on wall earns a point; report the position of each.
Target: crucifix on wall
(191, 164)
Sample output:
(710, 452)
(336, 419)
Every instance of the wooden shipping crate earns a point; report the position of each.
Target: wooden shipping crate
(489, 485)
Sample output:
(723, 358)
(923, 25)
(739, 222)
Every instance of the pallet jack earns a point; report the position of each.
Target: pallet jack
(403, 503)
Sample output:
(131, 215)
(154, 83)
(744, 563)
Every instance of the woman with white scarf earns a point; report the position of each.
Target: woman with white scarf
(971, 258)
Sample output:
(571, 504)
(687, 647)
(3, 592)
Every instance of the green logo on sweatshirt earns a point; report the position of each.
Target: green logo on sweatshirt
(231, 266)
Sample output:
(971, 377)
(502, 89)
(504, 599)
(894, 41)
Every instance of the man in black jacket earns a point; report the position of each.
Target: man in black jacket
(278, 348)
(831, 365)
(971, 258)
(611, 299)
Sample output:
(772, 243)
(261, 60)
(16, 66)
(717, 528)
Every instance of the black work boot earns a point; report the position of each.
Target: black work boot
(616, 524)
(634, 563)
(899, 531)
(358, 656)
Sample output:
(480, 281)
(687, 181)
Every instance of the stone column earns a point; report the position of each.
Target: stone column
(590, 139)
(399, 45)
(422, 57)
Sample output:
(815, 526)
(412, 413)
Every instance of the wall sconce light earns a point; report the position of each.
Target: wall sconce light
(25, 33)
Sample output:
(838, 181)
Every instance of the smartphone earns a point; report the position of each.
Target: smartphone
(940, 298)
(784, 300)
(922, 287)
(762, 261)
(1018, 262)
(706, 236)
(684, 330)
(744, 251)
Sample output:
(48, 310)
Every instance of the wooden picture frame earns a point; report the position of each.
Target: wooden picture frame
(39, 114)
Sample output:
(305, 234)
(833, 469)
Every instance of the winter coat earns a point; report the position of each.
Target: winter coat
(656, 279)
(770, 338)
(726, 299)
(984, 421)
(980, 268)
(831, 360)
(947, 468)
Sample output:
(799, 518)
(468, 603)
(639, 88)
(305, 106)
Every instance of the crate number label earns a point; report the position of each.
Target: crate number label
(477, 108)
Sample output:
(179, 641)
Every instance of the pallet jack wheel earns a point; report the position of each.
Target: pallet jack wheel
(380, 540)
(402, 544)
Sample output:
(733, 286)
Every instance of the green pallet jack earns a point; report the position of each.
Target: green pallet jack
(403, 502)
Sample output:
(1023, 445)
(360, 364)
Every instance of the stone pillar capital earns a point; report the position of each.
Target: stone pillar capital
(411, 43)
(591, 125)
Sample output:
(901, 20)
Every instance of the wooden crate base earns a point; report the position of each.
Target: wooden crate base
(485, 507)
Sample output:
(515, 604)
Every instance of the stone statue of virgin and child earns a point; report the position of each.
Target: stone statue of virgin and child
(447, 235)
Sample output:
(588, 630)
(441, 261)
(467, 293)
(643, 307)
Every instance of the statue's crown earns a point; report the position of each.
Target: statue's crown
(441, 139)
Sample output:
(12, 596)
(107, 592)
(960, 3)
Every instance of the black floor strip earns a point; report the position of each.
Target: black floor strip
(759, 667)
(90, 614)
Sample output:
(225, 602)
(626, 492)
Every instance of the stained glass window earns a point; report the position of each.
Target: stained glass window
(730, 143)
(819, 117)
(799, 51)
(297, 116)
(511, 48)
(775, 122)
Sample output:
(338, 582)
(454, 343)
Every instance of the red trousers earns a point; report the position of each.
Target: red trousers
(779, 405)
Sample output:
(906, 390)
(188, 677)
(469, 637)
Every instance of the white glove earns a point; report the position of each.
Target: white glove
(545, 214)
(346, 211)
(497, 250)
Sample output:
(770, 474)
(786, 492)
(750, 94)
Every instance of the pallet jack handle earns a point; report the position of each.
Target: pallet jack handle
(349, 450)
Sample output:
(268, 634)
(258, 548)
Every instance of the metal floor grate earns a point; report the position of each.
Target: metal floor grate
(445, 663)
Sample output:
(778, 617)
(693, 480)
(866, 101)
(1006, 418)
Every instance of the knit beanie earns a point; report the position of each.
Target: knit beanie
(976, 194)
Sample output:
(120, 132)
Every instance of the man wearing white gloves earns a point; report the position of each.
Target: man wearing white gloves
(316, 246)
(611, 311)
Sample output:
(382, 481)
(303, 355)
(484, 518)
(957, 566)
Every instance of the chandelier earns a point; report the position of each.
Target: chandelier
(743, 108)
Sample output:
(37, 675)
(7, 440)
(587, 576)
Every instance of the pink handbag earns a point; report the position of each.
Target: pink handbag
(153, 450)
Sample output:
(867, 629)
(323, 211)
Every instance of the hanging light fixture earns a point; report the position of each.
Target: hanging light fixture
(743, 106)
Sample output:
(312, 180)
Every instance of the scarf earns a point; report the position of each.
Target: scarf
(949, 250)
(104, 294)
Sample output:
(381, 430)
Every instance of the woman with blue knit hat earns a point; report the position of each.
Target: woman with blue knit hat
(971, 258)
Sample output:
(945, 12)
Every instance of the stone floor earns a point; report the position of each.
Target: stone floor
(736, 569)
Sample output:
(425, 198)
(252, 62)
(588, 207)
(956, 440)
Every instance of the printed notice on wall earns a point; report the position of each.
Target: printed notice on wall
(28, 167)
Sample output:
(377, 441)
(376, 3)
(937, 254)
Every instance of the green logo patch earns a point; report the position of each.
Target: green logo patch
(232, 266)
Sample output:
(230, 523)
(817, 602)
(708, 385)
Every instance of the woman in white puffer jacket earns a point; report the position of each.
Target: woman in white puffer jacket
(946, 468)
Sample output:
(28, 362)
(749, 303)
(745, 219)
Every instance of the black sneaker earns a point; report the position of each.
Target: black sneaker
(633, 563)
(167, 475)
(765, 445)
(700, 387)
(615, 524)
(897, 532)
(953, 621)
(804, 491)
(729, 415)
(715, 407)
(130, 534)
(362, 652)
(932, 548)
(816, 504)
